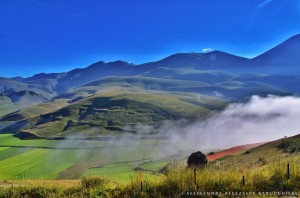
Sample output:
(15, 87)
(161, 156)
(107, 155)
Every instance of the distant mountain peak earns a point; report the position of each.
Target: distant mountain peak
(18, 78)
(290, 46)
(296, 36)
(45, 75)
(294, 40)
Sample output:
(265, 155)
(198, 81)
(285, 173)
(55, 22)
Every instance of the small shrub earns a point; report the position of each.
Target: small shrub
(289, 146)
(101, 193)
(283, 145)
(211, 153)
(72, 192)
(36, 192)
(247, 152)
(262, 160)
(93, 182)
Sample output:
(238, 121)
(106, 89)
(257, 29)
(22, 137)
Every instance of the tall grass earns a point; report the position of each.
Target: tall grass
(178, 180)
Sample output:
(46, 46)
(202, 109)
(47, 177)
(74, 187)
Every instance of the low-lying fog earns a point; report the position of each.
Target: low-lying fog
(258, 120)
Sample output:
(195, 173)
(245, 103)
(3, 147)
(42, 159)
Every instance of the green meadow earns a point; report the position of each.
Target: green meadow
(73, 159)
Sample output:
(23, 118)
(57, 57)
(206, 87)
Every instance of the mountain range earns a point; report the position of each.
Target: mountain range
(117, 96)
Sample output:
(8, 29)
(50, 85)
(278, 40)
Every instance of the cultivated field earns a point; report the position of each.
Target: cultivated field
(73, 159)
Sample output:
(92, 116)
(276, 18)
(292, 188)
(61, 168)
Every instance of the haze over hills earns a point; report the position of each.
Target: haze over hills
(199, 82)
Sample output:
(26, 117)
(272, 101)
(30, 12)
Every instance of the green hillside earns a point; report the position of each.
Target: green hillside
(8, 85)
(213, 83)
(112, 113)
(127, 83)
(6, 106)
(35, 110)
(145, 82)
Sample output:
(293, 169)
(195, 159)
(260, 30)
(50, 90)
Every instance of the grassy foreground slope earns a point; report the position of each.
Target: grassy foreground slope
(279, 150)
(265, 168)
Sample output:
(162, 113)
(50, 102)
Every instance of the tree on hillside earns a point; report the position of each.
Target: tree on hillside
(197, 159)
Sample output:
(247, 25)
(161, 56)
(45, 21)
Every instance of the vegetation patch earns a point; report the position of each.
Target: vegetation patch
(289, 146)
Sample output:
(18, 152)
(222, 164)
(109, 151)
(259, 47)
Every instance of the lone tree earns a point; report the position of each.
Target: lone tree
(197, 159)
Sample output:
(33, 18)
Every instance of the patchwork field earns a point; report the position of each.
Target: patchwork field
(37, 164)
(72, 159)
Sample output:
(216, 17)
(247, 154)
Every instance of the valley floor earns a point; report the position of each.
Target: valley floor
(74, 159)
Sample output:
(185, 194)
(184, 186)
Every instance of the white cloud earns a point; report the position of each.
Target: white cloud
(207, 50)
(258, 120)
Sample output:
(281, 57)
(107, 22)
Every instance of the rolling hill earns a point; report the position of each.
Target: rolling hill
(112, 113)
(26, 98)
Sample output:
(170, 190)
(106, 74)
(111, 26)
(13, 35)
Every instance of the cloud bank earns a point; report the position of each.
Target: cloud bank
(258, 120)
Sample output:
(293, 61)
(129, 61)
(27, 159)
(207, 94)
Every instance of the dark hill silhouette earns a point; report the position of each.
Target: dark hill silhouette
(284, 58)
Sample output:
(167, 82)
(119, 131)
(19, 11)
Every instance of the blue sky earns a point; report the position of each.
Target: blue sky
(59, 35)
